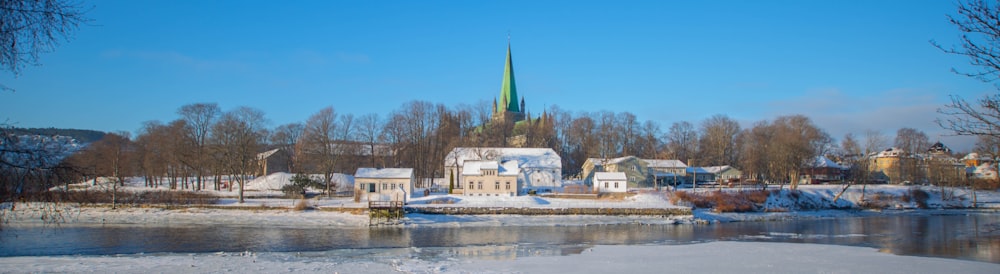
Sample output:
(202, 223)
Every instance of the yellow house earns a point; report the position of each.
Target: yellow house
(892, 165)
(490, 178)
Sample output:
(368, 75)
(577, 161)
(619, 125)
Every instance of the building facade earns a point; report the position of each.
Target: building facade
(395, 184)
(610, 182)
(537, 167)
(490, 178)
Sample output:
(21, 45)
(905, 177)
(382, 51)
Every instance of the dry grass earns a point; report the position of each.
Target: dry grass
(722, 201)
(614, 196)
(302, 205)
(877, 200)
(126, 197)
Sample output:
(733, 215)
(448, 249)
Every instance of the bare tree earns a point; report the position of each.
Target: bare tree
(285, 137)
(912, 142)
(369, 133)
(199, 119)
(112, 158)
(682, 141)
(718, 141)
(988, 145)
(629, 130)
(964, 118)
(797, 142)
(755, 143)
(30, 28)
(608, 135)
(649, 142)
(287, 134)
(979, 22)
(239, 135)
(318, 147)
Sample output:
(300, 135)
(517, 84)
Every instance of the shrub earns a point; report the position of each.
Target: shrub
(877, 200)
(300, 182)
(919, 197)
(302, 205)
(758, 196)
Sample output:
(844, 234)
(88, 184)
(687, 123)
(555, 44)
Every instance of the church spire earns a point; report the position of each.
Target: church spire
(508, 91)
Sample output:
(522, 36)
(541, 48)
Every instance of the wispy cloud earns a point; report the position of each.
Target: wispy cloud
(175, 58)
(840, 113)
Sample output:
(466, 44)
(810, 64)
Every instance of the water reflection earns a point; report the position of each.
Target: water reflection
(971, 236)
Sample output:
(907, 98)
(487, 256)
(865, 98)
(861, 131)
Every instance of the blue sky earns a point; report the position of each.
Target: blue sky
(849, 65)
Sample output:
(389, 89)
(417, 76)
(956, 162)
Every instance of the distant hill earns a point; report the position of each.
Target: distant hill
(81, 135)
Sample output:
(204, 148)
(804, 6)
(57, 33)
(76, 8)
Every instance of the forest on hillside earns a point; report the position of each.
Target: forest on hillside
(85, 136)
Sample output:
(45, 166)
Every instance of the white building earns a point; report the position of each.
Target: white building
(396, 183)
(537, 167)
(490, 178)
(607, 182)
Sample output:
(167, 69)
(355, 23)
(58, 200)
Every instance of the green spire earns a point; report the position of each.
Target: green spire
(508, 91)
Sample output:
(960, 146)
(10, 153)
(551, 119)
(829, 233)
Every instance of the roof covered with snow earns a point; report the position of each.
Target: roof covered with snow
(525, 157)
(657, 163)
(265, 154)
(891, 152)
(977, 156)
(823, 162)
(701, 170)
(617, 176)
(609, 161)
(716, 169)
(507, 168)
(388, 173)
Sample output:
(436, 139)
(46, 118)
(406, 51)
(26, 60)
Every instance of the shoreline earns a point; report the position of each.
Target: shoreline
(36, 214)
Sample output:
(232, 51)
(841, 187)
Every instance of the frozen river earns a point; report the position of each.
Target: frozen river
(967, 236)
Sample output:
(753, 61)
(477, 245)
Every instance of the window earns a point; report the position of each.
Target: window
(616, 184)
(497, 185)
(385, 186)
(470, 184)
(605, 184)
(508, 185)
(480, 185)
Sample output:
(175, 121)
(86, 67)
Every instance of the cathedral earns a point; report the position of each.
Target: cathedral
(507, 107)
(511, 123)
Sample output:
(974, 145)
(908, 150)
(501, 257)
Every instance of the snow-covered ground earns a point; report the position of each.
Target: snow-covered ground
(268, 209)
(712, 257)
(748, 257)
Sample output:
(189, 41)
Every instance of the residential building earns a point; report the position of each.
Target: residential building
(636, 170)
(725, 174)
(610, 182)
(822, 170)
(698, 175)
(666, 172)
(394, 183)
(537, 167)
(976, 159)
(490, 178)
(936, 166)
(272, 161)
(639, 172)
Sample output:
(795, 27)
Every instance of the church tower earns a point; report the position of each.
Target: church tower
(509, 106)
